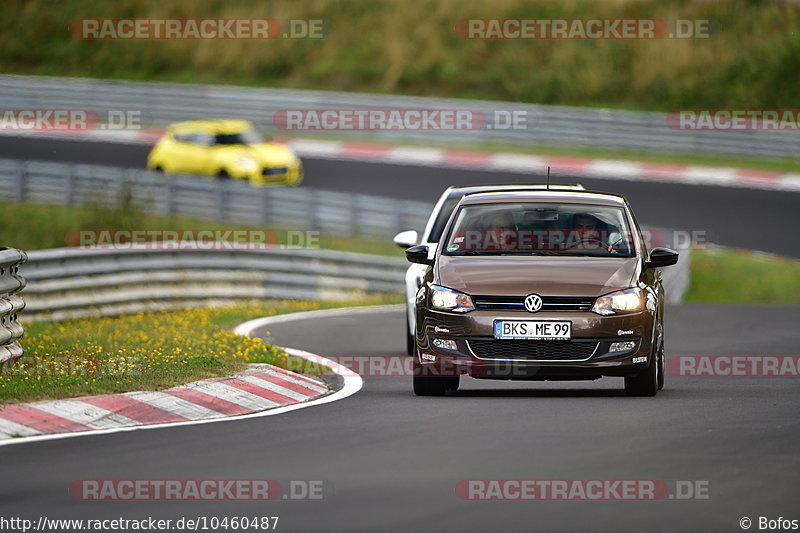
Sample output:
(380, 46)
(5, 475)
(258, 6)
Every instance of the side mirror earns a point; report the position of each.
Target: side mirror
(406, 239)
(662, 257)
(419, 254)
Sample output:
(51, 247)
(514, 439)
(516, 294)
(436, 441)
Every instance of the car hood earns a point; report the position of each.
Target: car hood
(551, 276)
(272, 154)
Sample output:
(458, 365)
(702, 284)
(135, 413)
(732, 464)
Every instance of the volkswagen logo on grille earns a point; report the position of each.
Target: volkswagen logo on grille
(533, 302)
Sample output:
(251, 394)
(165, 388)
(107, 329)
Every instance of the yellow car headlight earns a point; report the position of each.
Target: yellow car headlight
(248, 164)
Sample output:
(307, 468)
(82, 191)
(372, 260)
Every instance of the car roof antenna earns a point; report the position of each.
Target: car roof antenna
(548, 177)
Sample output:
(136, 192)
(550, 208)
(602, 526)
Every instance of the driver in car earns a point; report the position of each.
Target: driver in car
(586, 234)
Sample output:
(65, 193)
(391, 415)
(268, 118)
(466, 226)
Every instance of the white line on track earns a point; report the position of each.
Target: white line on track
(248, 327)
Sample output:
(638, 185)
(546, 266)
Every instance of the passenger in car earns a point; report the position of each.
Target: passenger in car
(500, 231)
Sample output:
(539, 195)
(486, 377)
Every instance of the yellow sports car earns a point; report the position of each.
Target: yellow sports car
(225, 149)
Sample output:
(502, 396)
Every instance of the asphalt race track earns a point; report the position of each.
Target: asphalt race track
(389, 461)
(745, 218)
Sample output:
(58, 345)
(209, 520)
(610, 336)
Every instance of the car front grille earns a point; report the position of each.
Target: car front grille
(549, 303)
(532, 350)
(274, 170)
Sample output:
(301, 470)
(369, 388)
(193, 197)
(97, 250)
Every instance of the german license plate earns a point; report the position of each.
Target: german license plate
(533, 330)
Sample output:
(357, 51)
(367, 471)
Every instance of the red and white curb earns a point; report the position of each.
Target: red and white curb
(262, 390)
(563, 167)
(571, 167)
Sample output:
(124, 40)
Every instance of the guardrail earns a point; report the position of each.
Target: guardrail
(162, 103)
(11, 304)
(74, 283)
(68, 283)
(297, 208)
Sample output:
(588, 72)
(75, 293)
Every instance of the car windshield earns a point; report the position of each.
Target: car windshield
(250, 136)
(540, 229)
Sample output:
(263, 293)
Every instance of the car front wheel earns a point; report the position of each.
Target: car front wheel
(432, 385)
(646, 382)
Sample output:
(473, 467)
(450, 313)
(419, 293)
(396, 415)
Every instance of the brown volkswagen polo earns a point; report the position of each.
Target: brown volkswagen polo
(540, 285)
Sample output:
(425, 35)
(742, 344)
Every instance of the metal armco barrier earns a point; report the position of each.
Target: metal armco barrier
(235, 201)
(162, 103)
(73, 283)
(11, 304)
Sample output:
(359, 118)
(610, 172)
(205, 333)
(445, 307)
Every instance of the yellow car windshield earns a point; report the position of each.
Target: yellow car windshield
(245, 137)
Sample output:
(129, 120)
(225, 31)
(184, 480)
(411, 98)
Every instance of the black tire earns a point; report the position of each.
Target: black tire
(432, 385)
(451, 384)
(661, 364)
(159, 169)
(223, 175)
(645, 383)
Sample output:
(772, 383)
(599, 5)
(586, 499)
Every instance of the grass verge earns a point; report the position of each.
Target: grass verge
(727, 275)
(147, 351)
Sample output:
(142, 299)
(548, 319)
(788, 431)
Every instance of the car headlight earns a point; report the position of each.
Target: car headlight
(450, 300)
(247, 164)
(627, 301)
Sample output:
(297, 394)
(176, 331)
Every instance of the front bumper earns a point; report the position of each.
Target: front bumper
(279, 175)
(587, 355)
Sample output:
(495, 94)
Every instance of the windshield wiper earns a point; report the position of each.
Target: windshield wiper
(546, 253)
(505, 252)
(606, 255)
(530, 252)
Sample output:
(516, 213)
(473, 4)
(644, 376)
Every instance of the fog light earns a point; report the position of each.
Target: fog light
(445, 344)
(622, 346)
